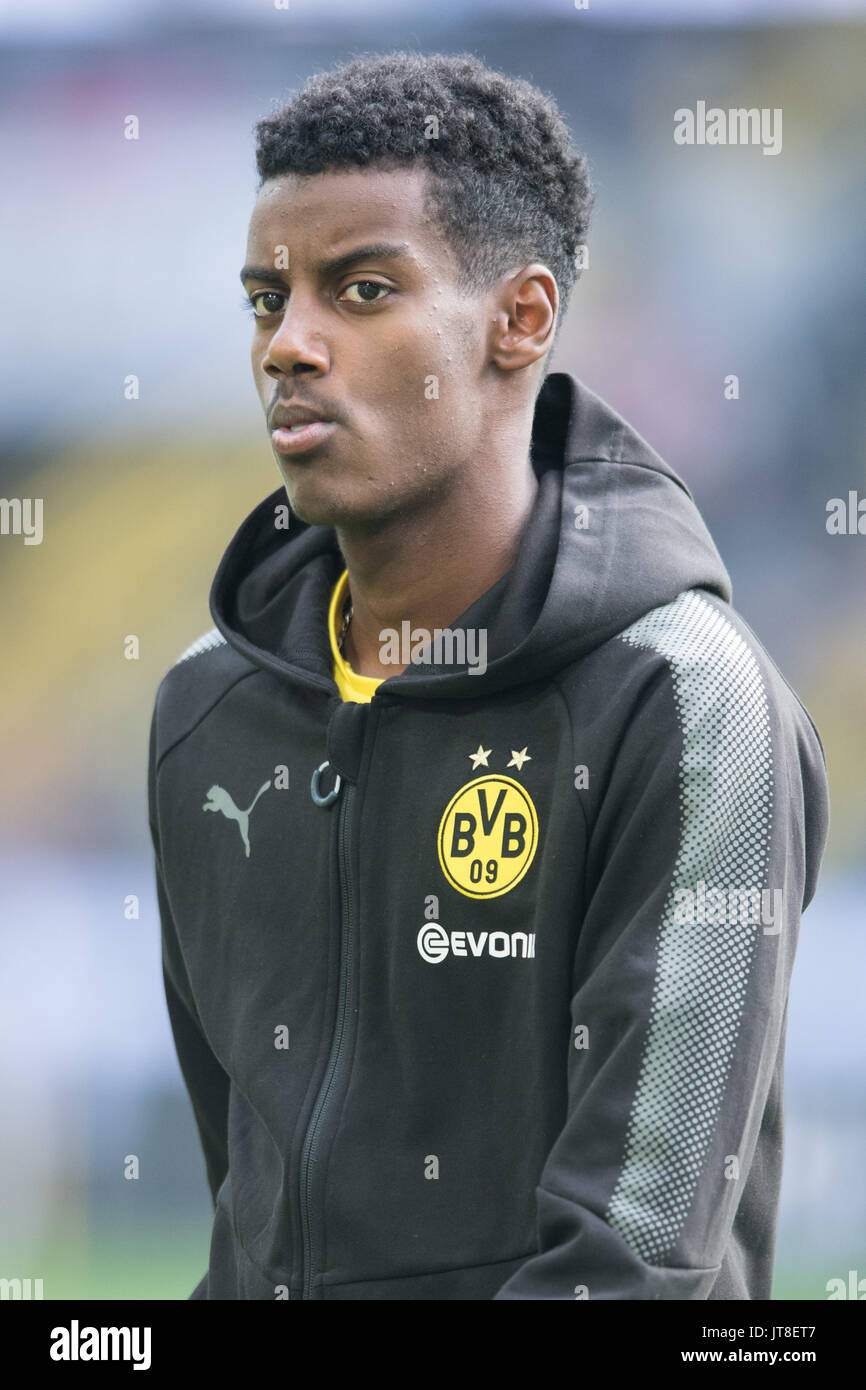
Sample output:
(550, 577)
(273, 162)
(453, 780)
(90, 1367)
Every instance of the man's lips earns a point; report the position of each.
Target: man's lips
(296, 441)
(296, 428)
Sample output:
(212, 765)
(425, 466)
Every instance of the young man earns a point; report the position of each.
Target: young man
(478, 970)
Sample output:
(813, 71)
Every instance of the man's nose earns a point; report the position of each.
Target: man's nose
(298, 344)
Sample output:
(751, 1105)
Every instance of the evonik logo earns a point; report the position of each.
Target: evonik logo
(434, 943)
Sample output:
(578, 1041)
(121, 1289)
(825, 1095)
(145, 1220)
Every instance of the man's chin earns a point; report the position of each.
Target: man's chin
(314, 505)
(334, 512)
(348, 514)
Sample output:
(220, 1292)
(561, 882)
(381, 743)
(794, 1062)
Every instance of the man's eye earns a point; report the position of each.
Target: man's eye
(261, 306)
(363, 286)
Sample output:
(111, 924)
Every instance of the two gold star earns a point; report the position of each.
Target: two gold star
(480, 756)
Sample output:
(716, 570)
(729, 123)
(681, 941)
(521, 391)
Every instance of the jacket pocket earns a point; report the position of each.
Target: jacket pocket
(233, 1273)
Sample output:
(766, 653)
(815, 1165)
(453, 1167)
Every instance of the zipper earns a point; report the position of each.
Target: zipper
(336, 1060)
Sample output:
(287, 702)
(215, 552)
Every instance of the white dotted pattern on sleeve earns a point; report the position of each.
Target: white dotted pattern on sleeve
(726, 795)
(205, 643)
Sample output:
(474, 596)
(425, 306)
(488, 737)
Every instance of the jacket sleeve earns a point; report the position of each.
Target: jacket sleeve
(678, 1004)
(206, 1081)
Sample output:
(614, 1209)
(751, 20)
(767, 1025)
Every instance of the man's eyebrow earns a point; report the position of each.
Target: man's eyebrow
(378, 251)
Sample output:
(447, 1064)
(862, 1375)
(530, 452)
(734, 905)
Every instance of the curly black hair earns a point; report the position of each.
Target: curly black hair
(507, 184)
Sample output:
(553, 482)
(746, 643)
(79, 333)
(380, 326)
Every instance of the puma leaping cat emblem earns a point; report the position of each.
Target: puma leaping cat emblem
(218, 799)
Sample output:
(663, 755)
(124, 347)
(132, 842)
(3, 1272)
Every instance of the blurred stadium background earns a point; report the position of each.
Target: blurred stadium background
(122, 257)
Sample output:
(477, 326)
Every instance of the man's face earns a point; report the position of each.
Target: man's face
(384, 345)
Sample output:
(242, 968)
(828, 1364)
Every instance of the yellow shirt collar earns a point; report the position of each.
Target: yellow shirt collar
(350, 685)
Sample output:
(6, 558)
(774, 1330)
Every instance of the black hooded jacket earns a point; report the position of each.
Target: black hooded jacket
(479, 990)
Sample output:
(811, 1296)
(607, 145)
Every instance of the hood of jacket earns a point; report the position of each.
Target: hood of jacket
(613, 533)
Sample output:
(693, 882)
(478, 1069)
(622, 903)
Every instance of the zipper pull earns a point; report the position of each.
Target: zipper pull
(315, 793)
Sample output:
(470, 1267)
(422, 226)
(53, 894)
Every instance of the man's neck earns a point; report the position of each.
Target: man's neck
(427, 569)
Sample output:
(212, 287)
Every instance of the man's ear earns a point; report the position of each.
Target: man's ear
(524, 317)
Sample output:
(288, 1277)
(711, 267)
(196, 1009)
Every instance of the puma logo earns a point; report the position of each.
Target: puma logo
(218, 799)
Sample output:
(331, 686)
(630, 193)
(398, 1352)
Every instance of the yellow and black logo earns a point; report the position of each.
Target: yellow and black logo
(488, 836)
